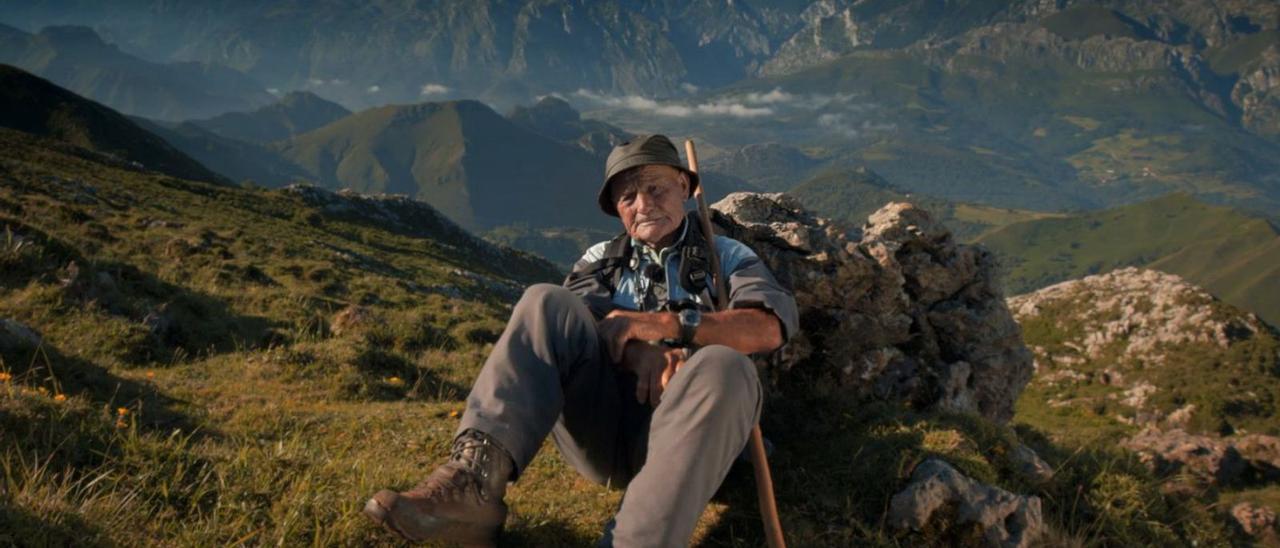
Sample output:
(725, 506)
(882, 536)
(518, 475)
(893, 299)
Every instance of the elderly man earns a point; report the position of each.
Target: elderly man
(638, 386)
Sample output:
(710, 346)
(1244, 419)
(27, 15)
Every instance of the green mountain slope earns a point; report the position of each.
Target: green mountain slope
(852, 195)
(77, 59)
(555, 118)
(34, 105)
(461, 157)
(238, 160)
(1233, 255)
(294, 114)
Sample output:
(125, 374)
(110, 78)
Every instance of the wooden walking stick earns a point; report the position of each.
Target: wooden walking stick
(759, 460)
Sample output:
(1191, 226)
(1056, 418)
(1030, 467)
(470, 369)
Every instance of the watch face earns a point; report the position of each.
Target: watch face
(690, 316)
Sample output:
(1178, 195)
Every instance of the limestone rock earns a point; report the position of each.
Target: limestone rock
(1209, 459)
(1030, 465)
(15, 335)
(897, 311)
(1255, 521)
(1006, 519)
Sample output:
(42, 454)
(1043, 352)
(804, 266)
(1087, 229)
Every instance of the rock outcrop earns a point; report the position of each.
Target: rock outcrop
(897, 311)
(15, 335)
(1135, 336)
(1256, 521)
(1006, 519)
(1208, 459)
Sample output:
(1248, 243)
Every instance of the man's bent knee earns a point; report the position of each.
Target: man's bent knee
(545, 292)
(725, 369)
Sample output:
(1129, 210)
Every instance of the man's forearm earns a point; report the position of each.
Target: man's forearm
(747, 330)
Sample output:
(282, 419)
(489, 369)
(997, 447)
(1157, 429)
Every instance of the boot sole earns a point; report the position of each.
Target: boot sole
(468, 534)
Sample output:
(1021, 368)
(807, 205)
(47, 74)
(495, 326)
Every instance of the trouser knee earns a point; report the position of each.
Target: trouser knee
(723, 373)
(542, 300)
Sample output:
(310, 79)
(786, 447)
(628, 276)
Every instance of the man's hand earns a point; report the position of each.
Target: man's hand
(623, 326)
(654, 366)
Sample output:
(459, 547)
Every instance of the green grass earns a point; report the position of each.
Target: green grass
(1233, 255)
(255, 418)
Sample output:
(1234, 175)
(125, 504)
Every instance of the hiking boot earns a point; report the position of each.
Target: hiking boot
(460, 502)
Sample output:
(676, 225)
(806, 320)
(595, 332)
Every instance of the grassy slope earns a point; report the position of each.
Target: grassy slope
(251, 419)
(852, 195)
(1234, 256)
(1233, 389)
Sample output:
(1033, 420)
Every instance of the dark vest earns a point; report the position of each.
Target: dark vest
(597, 281)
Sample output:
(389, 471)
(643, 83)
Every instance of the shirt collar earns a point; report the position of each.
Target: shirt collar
(656, 255)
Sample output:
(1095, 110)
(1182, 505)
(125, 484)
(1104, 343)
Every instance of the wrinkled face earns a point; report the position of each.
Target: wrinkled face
(650, 201)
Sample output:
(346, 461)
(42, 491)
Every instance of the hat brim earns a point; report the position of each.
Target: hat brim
(605, 196)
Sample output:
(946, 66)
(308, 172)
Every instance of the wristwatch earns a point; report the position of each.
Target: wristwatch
(690, 319)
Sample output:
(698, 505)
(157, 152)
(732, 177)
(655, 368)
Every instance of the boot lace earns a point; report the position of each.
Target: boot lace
(472, 454)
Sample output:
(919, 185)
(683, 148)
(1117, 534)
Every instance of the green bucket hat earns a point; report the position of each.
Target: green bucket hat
(642, 150)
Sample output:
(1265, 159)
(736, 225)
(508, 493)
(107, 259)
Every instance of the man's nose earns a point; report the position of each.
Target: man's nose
(644, 201)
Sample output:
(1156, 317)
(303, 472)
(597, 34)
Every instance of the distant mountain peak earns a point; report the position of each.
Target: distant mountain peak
(296, 113)
(73, 35)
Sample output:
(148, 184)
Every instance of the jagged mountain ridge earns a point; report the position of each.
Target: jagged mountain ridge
(294, 114)
(649, 47)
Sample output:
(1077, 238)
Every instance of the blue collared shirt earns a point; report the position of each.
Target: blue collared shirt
(751, 285)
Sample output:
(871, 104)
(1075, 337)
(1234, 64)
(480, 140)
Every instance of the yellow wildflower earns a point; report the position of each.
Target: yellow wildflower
(454, 414)
(151, 374)
(5, 377)
(60, 398)
(395, 381)
(122, 411)
(42, 390)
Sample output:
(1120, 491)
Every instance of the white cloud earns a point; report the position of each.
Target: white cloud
(850, 126)
(373, 89)
(689, 88)
(775, 96)
(433, 89)
(273, 91)
(676, 110)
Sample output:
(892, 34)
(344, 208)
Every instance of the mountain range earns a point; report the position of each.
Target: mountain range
(76, 58)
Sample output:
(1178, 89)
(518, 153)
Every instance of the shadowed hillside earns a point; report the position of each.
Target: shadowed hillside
(33, 105)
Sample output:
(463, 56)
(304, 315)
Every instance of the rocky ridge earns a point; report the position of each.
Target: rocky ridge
(1133, 334)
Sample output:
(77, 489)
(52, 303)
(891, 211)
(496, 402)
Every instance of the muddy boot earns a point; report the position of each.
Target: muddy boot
(460, 502)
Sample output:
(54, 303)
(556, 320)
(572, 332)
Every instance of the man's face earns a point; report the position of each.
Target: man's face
(650, 201)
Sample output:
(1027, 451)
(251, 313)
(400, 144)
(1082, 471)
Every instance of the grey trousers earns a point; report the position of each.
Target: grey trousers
(550, 373)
